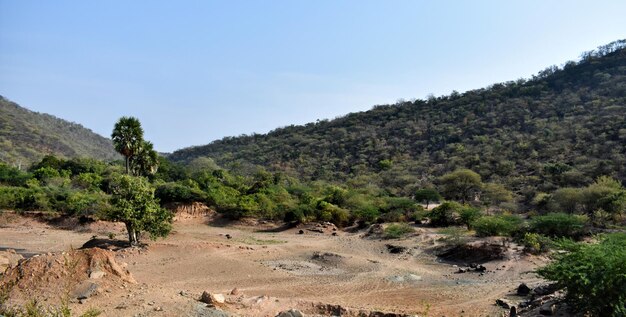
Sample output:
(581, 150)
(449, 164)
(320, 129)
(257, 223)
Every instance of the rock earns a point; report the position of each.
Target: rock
(212, 299)
(513, 312)
(290, 313)
(235, 291)
(545, 289)
(228, 236)
(85, 290)
(300, 231)
(523, 289)
(503, 303)
(96, 274)
(547, 309)
(480, 268)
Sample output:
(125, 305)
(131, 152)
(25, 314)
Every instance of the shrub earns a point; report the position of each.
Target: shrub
(504, 225)
(559, 225)
(445, 214)
(594, 276)
(468, 215)
(396, 231)
(536, 243)
(174, 192)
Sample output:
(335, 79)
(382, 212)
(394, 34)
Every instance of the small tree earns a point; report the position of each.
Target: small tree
(427, 195)
(134, 204)
(461, 185)
(594, 276)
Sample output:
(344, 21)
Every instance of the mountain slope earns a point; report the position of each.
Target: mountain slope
(26, 136)
(563, 127)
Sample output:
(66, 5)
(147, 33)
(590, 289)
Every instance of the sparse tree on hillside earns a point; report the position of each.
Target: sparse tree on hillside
(463, 185)
(127, 138)
(427, 195)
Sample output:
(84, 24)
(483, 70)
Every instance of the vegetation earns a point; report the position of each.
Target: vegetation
(562, 128)
(134, 204)
(594, 275)
(396, 231)
(26, 137)
(502, 225)
(559, 225)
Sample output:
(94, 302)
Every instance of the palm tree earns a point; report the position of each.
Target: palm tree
(145, 161)
(127, 138)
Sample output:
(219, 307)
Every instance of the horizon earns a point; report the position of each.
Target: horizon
(121, 74)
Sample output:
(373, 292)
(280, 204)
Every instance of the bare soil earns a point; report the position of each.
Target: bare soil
(273, 267)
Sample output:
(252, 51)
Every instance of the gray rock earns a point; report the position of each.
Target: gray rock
(85, 290)
(290, 313)
(547, 309)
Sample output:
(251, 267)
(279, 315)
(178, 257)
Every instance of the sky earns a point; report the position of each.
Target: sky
(196, 71)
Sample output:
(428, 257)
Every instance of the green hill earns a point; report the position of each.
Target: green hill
(563, 127)
(26, 136)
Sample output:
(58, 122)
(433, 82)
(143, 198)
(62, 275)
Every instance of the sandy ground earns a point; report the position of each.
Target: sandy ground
(275, 271)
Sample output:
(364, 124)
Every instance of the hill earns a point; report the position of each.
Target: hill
(26, 136)
(563, 127)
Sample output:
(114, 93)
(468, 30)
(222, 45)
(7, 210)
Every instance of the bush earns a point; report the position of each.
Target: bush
(536, 243)
(396, 231)
(468, 215)
(559, 225)
(445, 214)
(594, 276)
(504, 225)
(174, 192)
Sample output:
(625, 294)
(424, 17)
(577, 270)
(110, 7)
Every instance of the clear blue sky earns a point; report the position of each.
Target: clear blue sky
(195, 71)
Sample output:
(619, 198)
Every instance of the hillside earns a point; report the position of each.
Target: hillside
(563, 127)
(26, 136)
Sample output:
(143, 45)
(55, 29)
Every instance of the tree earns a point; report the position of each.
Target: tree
(146, 160)
(594, 275)
(127, 138)
(427, 195)
(463, 185)
(495, 194)
(134, 204)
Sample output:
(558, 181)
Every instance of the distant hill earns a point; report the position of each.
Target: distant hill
(563, 127)
(26, 136)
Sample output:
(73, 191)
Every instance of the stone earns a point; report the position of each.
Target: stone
(547, 309)
(300, 231)
(513, 312)
(235, 291)
(96, 274)
(290, 313)
(85, 290)
(212, 299)
(523, 289)
(503, 303)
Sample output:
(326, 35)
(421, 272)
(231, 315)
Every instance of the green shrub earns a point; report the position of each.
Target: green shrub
(445, 214)
(503, 225)
(559, 225)
(536, 243)
(468, 215)
(594, 276)
(175, 192)
(396, 231)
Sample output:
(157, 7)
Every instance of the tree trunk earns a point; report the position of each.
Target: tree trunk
(127, 164)
(132, 235)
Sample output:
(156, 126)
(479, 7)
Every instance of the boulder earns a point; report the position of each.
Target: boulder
(290, 313)
(523, 289)
(212, 299)
(547, 309)
(96, 274)
(85, 290)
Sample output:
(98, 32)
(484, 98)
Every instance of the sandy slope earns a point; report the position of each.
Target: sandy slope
(277, 270)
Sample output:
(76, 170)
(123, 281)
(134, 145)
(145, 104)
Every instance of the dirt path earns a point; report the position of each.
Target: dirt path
(278, 271)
